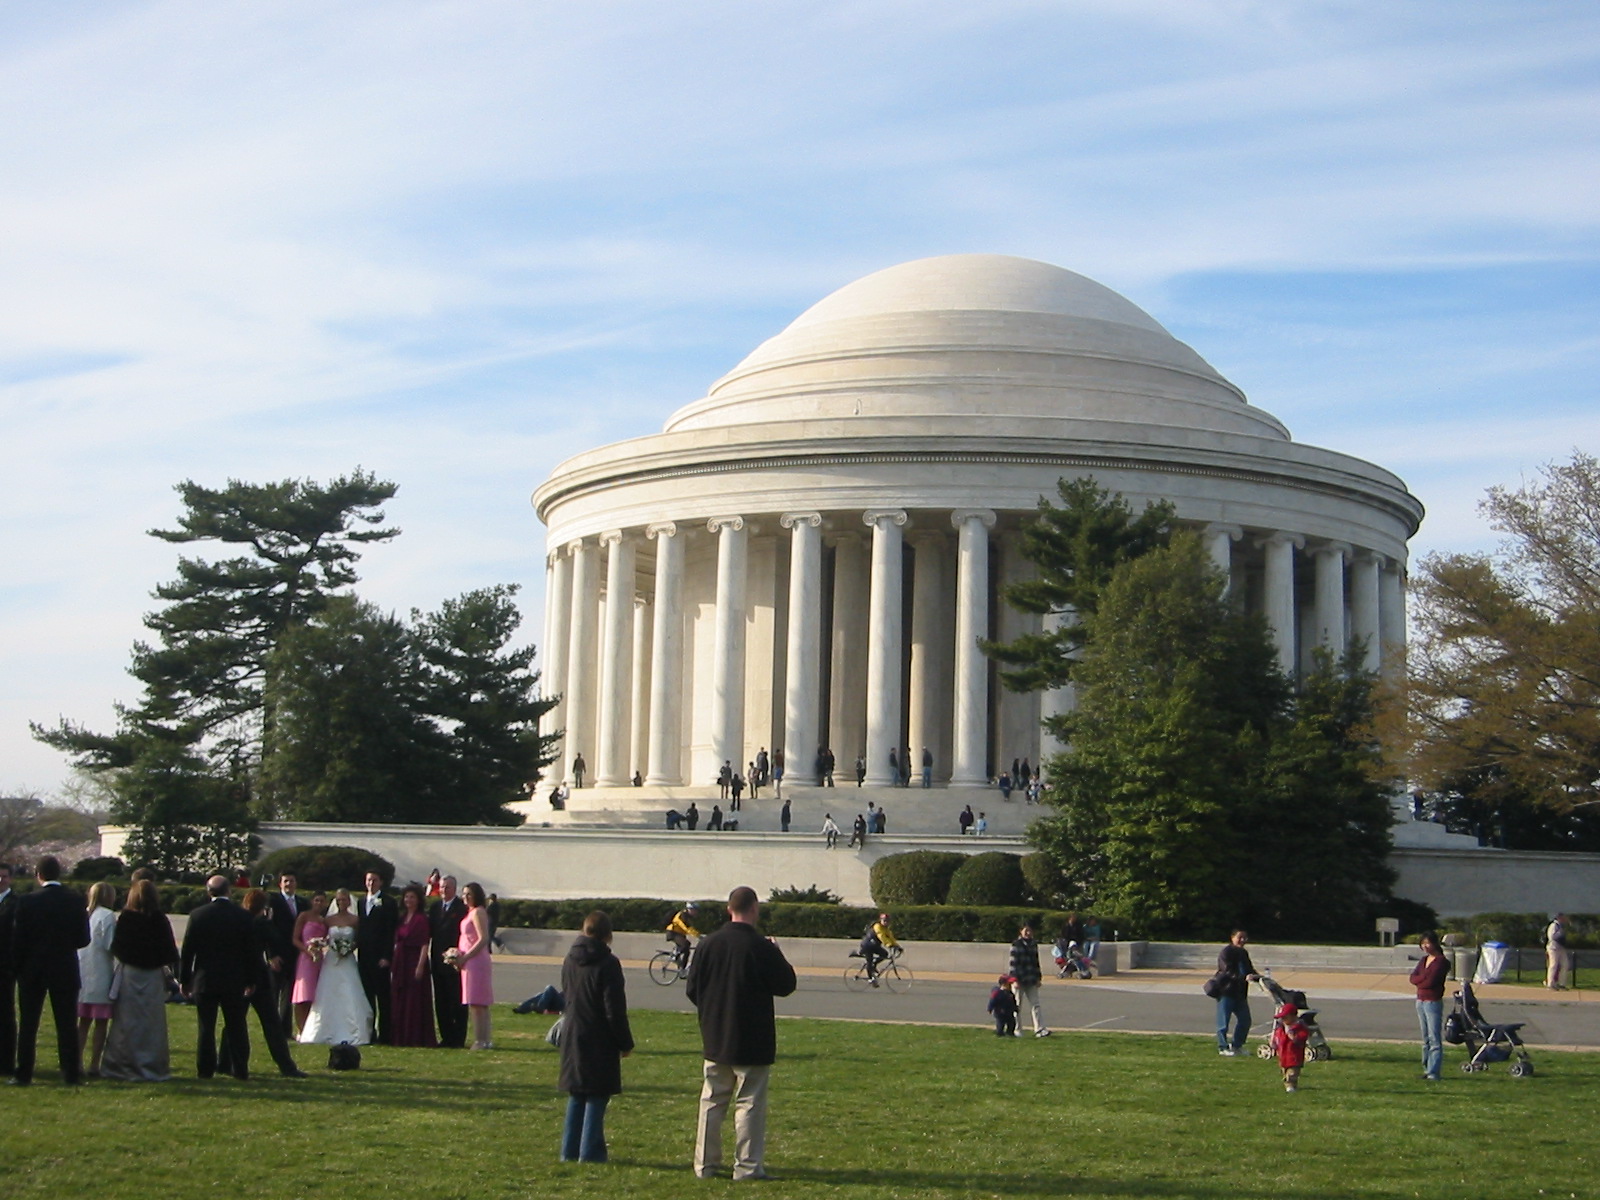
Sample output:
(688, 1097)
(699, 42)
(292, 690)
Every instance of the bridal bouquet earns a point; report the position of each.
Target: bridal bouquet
(452, 958)
(318, 948)
(343, 942)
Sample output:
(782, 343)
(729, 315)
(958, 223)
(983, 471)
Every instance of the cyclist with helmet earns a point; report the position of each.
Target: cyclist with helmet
(680, 929)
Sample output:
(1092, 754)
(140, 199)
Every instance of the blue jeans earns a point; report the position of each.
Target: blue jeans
(584, 1137)
(1430, 1016)
(1236, 1008)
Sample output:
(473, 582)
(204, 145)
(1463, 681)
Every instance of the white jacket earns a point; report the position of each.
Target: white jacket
(95, 964)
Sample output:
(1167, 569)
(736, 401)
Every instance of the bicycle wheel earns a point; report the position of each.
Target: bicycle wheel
(664, 968)
(897, 978)
(855, 978)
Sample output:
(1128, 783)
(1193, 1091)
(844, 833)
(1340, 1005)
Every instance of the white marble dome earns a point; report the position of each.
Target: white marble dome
(805, 556)
(977, 335)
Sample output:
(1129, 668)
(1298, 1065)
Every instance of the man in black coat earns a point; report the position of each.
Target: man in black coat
(375, 948)
(52, 925)
(737, 972)
(270, 947)
(8, 976)
(286, 909)
(217, 970)
(445, 920)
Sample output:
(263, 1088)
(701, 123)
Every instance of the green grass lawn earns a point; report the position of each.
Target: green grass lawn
(857, 1109)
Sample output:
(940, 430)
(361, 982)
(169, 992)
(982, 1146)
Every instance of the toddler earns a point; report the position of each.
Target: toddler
(1003, 1006)
(1289, 1036)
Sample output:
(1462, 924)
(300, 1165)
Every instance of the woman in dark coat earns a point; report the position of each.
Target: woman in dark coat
(595, 1038)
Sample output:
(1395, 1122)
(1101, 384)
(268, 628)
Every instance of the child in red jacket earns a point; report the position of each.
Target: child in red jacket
(1289, 1035)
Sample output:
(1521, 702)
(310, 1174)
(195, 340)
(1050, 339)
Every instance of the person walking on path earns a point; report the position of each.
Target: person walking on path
(1428, 978)
(861, 769)
(1026, 971)
(858, 832)
(51, 926)
(595, 1038)
(1235, 974)
(830, 830)
(1558, 959)
(736, 978)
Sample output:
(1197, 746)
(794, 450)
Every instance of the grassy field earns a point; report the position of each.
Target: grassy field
(858, 1109)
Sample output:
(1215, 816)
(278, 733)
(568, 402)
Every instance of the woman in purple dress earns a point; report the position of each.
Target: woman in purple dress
(411, 985)
(477, 971)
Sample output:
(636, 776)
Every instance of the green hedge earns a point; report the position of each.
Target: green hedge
(992, 879)
(324, 868)
(1525, 929)
(915, 877)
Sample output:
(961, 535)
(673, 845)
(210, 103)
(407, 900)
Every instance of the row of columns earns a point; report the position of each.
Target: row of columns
(641, 646)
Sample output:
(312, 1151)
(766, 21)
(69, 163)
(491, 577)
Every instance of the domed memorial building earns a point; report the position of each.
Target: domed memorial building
(806, 556)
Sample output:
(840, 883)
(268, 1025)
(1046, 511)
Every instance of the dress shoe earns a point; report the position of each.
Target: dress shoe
(296, 1073)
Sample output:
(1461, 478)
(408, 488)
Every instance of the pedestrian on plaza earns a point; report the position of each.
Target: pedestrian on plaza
(1428, 978)
(858, 832)
(828, 764)
(716, 818)
(981, 825)
(905, 767)
(692, 817)
(1026, 971)
(783, 815)
(736, 790)
(1558, 959)
(1003, 1007)
(724, 779)
(894, 766)
(881, 821)
(777, 773)
(927, 767)
(579, 768)
(736, 976)
(830, 831)
(1235, 974)
(861, 769)
(966, 819)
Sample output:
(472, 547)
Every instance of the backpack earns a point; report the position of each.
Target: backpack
(344, 1057)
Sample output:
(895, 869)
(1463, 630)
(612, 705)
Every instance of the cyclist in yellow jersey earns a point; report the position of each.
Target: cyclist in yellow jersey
(680, 929)
(876, 943)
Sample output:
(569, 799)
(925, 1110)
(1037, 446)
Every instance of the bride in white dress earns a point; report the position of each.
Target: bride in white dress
(339, 1011)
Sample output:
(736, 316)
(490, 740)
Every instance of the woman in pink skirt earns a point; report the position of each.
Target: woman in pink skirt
(96, 972)
(475, 965)
(311, 926)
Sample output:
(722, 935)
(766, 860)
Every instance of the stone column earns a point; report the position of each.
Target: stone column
(847, 695)
(1280, 609)
(1392, 616)
(1016, 714)
(1219, 543)
(803, 676)
(666, 660)
(616, 663)
(883, 642)
(1330, 560)
(929, 702)
(727, 676)
(1055, 702)
(1364, 607)
(640, 699)
(558, 628)
(582, 660)
(969, 767)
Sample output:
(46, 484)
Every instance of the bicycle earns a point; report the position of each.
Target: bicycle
(665, 967)
(890, 973)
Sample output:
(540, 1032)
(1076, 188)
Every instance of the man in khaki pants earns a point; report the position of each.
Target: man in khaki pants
(737, 972)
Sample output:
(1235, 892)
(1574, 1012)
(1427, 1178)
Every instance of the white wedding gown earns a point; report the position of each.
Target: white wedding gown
(339, 1011)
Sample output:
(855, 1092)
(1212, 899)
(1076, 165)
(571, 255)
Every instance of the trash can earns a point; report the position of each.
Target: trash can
(1464, 960)
(1492, 959)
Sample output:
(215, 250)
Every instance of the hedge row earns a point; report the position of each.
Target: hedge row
(1525, 929)
(989, 880)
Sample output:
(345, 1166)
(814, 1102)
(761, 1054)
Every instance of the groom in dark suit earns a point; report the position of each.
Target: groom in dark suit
(8, 976)
(52, 925)
(217, 970)
(445, 920)
(286, 910)
(374, 949)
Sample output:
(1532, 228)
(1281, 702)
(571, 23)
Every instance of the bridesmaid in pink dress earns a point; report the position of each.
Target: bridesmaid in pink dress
(309, 925)
(477, 971)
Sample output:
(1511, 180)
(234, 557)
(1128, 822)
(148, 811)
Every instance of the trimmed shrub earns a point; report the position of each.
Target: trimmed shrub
(92, 870)
(994, 878)
(806, 895)
(323, 868)
(1046, 884)
(915, 877)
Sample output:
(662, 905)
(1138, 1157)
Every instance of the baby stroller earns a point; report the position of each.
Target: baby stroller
(1317, 1048)
(1485, 1043)
(1073, 963)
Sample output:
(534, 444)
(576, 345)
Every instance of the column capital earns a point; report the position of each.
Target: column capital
(1342, 549)
(1235, 533)
(718, 524)
(640, 600)
(1363, 555)
(875, 515)
(961, 516)
(575, 546)
(609, 536)
(553, 557)
(791, 519)
(1279, 538)
(661, 529)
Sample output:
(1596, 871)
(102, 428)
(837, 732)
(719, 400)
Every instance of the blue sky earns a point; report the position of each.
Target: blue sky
(456, 242)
